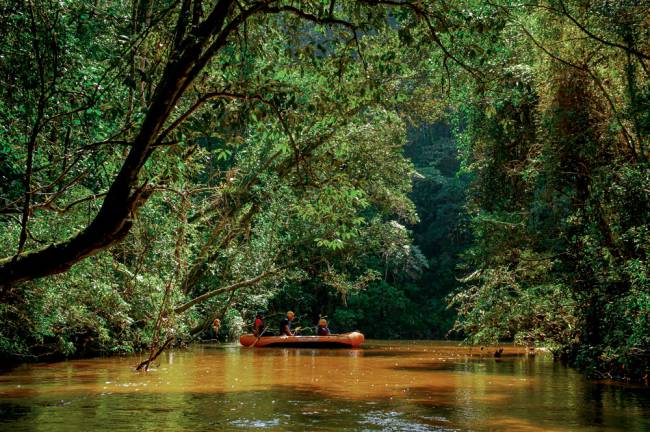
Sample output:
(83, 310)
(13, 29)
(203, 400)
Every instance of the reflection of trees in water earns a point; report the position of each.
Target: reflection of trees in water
(411, 386)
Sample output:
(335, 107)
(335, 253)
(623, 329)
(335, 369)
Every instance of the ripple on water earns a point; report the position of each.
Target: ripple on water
(395, 421)
(250, 424)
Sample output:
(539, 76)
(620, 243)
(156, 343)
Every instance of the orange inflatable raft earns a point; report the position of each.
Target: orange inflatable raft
(345, 340)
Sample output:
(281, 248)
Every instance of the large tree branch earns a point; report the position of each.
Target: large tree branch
(113, 220)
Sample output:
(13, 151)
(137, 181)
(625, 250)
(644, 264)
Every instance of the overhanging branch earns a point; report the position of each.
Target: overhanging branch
(182, 308)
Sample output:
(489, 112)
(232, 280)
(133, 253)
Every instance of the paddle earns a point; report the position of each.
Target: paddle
(258, 338)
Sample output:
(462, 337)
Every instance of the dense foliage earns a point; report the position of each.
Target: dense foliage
(558, 141)
(410, 298)
(203, 153)
(166, 163)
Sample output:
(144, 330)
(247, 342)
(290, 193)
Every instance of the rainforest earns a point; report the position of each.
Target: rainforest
(474, 170)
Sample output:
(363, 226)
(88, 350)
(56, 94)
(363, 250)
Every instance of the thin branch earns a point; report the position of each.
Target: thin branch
(50, 198)
(586, 31)
(203, 99)
(420, 12)
(145, 364)
(38, 124)
(182, 308)
(225, 95)
(194, 332)
(92, 197)
(310, 17)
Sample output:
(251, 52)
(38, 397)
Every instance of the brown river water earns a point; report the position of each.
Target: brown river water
(385, 385)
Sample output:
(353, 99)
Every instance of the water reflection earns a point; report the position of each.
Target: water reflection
(422, 386)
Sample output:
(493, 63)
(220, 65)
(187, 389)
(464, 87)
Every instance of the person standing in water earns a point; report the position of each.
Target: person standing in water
(215, 326)
(285, 324)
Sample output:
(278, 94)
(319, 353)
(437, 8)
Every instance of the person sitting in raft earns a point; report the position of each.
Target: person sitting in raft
(259, 328)
(285, 324)
(322, 329)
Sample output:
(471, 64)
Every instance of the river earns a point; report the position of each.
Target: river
(386, 385)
